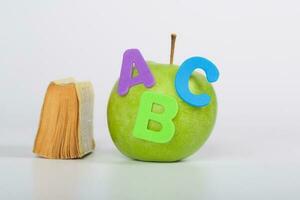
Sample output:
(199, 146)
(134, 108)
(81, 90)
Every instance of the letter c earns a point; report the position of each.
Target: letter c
(183, 75)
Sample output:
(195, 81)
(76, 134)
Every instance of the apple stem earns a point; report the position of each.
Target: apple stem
(173, 39)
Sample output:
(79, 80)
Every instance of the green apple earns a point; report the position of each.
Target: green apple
(193, 125)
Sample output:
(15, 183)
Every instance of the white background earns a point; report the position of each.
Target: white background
(254, 150)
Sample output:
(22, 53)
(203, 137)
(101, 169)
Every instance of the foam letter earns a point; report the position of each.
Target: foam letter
(145, 114)
(133, 58)
(183, 75)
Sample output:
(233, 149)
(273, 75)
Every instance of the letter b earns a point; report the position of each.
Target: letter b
(145, 114)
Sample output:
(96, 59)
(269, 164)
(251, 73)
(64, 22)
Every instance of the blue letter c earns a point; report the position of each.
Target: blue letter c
(183, 75)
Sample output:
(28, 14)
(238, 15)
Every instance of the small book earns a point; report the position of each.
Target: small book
(66, 121)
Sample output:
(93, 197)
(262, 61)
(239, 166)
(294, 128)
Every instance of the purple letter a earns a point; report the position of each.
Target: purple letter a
(133, 58)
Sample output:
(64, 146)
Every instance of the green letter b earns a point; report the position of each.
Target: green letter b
(145, 114)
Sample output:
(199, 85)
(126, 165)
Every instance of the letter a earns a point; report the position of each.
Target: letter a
(133, 58)
(145, 114)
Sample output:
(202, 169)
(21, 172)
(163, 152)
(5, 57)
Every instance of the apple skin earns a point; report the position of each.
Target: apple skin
(193, 124)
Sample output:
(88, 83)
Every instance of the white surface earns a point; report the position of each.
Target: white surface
(254, 150)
